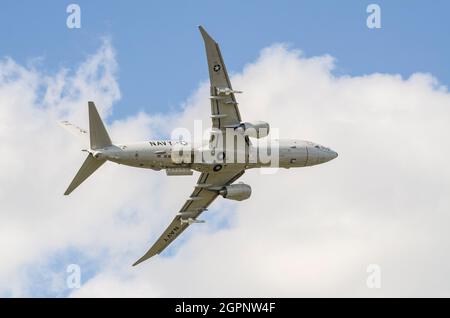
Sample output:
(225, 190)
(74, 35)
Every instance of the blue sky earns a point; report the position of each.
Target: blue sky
(161, 55)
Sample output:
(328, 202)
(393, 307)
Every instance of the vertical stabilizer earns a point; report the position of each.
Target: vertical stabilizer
(97, 132)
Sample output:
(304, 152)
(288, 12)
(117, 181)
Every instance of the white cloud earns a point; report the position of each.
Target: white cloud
(305, 232)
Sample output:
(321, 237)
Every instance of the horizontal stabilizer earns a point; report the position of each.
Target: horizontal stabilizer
(75, 130)
(89, 166)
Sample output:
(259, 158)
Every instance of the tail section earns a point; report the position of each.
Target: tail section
(98, 135)
(99, 139)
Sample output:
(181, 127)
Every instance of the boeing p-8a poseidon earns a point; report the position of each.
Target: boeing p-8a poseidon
(219, 161)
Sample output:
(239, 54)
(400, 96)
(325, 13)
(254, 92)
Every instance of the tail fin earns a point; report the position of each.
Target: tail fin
(99, 138)
(98, 135)
(89, 166)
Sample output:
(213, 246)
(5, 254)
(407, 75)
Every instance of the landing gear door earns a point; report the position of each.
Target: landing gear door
(181, 153)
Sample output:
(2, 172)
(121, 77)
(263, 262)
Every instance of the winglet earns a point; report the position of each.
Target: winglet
(206, 37)
(145, 257)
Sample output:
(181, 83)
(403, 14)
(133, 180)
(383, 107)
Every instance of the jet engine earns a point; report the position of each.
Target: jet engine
(237, 192)
(255, 129)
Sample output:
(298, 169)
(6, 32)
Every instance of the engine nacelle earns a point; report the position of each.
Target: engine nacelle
(255, 129)
(237, 192)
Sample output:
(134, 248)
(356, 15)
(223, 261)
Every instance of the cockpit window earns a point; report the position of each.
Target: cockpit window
(322, 148)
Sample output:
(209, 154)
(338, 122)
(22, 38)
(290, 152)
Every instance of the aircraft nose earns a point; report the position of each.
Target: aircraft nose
(334, 154)
(329, 155)
(319, 154)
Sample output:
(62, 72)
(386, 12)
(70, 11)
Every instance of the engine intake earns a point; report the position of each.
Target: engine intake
(255, 129)
(237, 192)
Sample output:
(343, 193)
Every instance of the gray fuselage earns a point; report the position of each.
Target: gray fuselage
(165, 154)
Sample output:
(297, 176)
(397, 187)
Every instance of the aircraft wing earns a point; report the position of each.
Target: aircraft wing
(224, 108)
(199, 200)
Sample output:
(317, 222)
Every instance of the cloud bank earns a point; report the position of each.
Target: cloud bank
(304, 232)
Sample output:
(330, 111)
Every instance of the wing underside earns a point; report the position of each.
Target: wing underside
(202, 196)
(224, 108)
